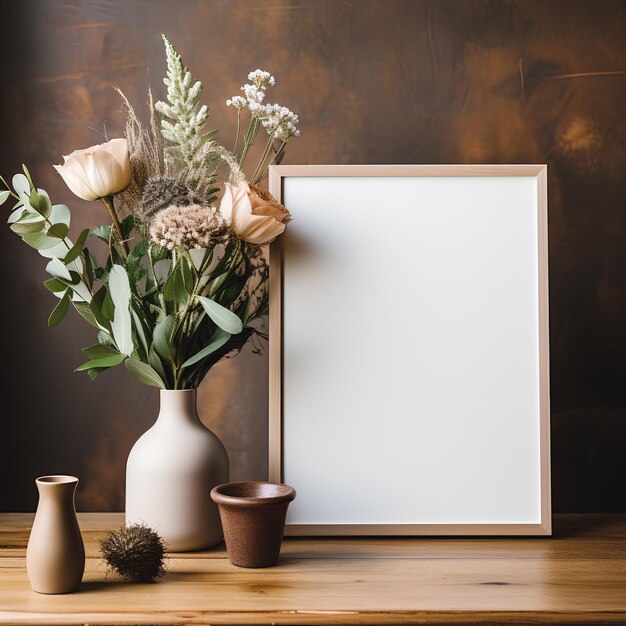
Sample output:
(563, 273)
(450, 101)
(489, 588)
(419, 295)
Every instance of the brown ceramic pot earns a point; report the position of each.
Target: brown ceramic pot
(253, 518)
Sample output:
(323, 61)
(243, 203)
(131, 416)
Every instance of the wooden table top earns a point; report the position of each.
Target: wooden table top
(576, 577)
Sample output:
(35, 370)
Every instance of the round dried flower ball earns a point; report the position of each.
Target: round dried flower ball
(136, 553)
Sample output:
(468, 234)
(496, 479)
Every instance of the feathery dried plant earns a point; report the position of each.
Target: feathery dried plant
(145, 150)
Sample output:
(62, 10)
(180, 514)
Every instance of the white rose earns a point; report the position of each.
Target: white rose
(97, 172)
(253, 214)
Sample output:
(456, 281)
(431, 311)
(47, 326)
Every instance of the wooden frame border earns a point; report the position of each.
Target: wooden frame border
(276, 175)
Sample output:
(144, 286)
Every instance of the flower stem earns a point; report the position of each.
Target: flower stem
(108, 201)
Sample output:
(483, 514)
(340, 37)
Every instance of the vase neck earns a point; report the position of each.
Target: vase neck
(178, 406)
(56, 490)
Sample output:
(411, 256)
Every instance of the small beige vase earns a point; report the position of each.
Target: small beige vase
(170, 473)
(55, 557)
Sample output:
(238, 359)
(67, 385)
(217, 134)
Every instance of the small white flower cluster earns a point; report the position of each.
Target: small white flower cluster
(280, 122)
(239, 102)
(262, 79)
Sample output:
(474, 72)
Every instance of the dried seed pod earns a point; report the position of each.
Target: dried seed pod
(136, 553)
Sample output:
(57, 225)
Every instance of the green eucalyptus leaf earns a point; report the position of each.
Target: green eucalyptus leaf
(102, 232)
(59, 230)
(155, 362)
(85, 311)
(223, 317)
(108, 307)
(54, 285)
(28, 176)
(98, 351)
(60, 214)
(162, 336)
(90, 266)
(22, 228)
(57, 268)
(40, 203)
(77, 248)
(219, 338)
(218, 282)
(18, 213)
(187, 276)
(93, 373)
(139, 331)
(96, 305)
(144, 373)
(60, 310)
(119, 288)
(21, 186)
(40, 241)
(4, 195)
(106, 361)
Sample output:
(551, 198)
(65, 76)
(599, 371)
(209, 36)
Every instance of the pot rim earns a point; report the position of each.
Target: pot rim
(217, 495)
(56, 479)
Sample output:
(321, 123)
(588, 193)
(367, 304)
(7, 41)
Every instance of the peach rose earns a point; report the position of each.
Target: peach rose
(98, 171)
(254, 215)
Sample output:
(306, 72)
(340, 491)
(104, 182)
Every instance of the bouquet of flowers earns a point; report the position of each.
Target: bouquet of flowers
(185, 276)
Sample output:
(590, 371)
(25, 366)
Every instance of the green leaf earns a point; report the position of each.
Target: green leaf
(155, 362)
(161, 337)
(98, 351)
(60, 310)
(219, 338)
(107, 361)
(224, 318)
(21, 228)
(59, 230)
(92, 374)
(144, 373)
(28, 176)
(134, 267)
(108, 307)
(119, 288)
(218, 282)
(21, 186)
(174, 287)
(60, 214)
(40, 241)
(90, 265)
(57, 269)
(4, 196)
(187, 276)
(102, 232)
(40, 203)
(54, 285)
(127, 225)
(77, 248)
(96, 305)
(85, 311)
(139, 330)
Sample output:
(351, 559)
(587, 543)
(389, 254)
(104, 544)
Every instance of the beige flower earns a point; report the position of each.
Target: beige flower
(188, 227)
(253, 214)
(98, 171)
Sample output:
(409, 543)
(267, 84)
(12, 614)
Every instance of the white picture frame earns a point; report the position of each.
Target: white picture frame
(409, 351)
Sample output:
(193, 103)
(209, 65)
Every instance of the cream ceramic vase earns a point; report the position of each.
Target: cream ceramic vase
(170, 473)
(55, 556)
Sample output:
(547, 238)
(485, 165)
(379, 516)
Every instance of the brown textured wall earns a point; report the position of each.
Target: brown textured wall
(393, 81)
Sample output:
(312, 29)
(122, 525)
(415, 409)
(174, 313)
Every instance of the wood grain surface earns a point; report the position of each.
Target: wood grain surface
(578, 577)
(374, 81)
